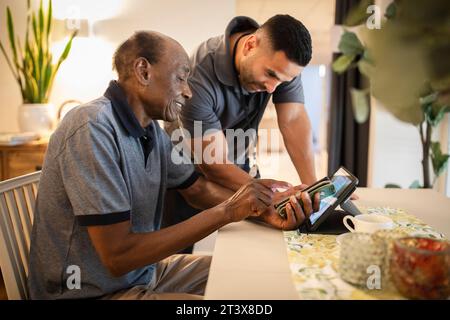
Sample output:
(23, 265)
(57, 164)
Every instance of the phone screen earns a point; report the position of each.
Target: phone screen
(341, 180)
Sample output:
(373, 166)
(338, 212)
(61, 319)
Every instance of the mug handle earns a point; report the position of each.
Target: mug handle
(346, 223)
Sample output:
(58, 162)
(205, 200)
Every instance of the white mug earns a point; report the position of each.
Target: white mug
(368, 223)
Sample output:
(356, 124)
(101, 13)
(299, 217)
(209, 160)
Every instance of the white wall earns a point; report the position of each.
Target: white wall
(316, 90)
(9, 90)
(87, 71)
(395, 150)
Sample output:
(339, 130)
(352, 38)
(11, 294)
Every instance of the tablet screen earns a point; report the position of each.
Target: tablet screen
(341, 180)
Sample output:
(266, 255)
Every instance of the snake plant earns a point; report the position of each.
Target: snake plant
(32, 64)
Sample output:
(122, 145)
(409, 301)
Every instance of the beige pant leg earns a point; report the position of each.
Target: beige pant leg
(180, 276)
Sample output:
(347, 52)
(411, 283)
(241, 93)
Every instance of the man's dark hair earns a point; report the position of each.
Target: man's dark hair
(146, 44)
(290, 36)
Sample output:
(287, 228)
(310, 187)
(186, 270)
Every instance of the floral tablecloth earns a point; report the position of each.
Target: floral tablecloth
(313, 260)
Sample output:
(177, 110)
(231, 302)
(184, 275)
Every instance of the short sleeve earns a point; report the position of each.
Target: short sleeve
(290, 92)
(180, 170)
(92, 176)
(200, 109)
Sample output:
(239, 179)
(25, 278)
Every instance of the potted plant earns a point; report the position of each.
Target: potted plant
(33, 67)
(406, 62)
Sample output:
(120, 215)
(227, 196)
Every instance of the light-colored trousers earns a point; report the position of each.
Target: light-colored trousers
(178, 277)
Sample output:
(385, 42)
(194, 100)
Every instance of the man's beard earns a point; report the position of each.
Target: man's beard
(248, 82)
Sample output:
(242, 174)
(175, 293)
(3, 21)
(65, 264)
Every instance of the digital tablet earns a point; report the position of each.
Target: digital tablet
(324, 187)
(344, 183)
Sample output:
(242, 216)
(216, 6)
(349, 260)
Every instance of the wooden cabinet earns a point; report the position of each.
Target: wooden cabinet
(22, 159)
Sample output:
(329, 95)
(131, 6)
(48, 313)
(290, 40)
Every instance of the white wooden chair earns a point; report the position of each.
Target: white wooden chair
(17, 198)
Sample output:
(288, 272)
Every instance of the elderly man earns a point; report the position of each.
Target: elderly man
(96, 231)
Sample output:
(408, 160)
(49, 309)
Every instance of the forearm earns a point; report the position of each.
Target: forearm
(300, 150)
(215, 165)
(205, 194)
(136, 250)
(229, 176)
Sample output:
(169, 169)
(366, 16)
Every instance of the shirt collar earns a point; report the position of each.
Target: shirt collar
(123, 110)
(223, 63)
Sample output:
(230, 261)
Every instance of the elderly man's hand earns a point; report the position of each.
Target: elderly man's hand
(252, 199)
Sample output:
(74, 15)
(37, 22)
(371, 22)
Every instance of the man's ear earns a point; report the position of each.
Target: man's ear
(142, 70)
(251, 44)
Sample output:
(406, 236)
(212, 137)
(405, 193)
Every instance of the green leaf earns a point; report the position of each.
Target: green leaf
(440, 115)
(67, 48)
(31, 60)
(366, 56)
(415, 185)
(43, 70)
(429, 99)
(438, 159)
(342, 63)
(47, 77)
(27, 28)
(358, 14)
(19, 50)
(26, 92)
(40, 62)
(428, 111)
(350, 44)
(41, 19)
(35, 30)
(10, 23)
(391, 10)
(392, 186)
(365, 68)
(33, 92)
(8, 61)
(360, 104)
(49, 19)
(434, 113)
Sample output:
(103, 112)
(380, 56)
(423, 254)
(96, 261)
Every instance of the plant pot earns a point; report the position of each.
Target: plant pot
(37, 117)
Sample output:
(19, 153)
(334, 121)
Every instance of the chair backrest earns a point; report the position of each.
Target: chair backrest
(17, 198)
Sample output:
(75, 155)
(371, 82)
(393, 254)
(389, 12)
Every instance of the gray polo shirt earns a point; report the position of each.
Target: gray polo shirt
(216, 96)
(95, 173)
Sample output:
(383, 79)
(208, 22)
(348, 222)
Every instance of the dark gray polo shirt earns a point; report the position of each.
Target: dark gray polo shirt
(95, 173)
(216, 95)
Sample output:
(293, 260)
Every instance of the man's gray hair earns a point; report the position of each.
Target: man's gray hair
(147, 44)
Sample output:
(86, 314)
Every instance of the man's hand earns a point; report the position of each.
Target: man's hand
(252, 199)
(296, 215)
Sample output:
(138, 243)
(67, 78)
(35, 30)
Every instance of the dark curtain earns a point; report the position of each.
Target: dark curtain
(347, 140)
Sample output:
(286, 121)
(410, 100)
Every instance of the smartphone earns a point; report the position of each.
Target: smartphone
(324, 186)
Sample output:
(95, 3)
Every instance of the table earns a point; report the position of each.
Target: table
(21, 159)
(250, 260)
